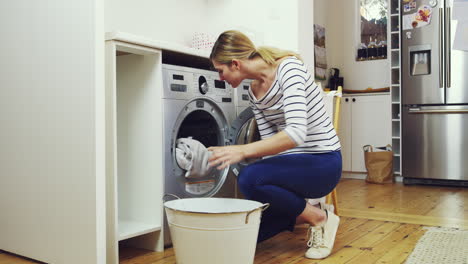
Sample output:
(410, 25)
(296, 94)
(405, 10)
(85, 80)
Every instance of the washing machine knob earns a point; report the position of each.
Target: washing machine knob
(204, 88)
(202, 85)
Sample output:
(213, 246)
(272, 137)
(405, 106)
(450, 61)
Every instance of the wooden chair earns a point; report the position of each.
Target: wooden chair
(333, 197)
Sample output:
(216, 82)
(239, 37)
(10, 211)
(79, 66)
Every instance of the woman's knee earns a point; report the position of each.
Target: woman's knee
(246, 179)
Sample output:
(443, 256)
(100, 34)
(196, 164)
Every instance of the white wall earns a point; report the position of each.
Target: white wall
(172, 21)
(51, 188)
(306, 31)
(342, 29)
(334, 32)
(267, 22)
(359, 75)
(272, 23)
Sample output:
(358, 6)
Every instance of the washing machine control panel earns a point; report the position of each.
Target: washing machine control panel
(203, 86)
(187, 83)
(242, 94)
(214, 88)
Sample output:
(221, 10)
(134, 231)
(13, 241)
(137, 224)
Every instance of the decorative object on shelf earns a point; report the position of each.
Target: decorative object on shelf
(373, 30)
(382, 49)
(372, 50)
(335, 80)
(202, 40)
(362, 52)
(320, 55)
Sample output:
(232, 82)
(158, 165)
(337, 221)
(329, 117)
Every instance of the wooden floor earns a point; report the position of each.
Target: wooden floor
(379, 224)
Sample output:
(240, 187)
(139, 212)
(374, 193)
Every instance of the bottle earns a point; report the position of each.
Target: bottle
(362, 52)
(383, 49)
(372, 49)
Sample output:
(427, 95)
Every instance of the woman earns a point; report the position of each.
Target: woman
(299, 146)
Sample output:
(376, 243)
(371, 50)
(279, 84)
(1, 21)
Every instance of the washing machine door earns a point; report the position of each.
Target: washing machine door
(243, 130)
(203, 120)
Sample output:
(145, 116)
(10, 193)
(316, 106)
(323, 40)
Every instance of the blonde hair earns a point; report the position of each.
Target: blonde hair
(233, 44)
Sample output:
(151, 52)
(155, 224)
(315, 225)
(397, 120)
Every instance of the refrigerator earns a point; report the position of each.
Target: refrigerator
(434, 94)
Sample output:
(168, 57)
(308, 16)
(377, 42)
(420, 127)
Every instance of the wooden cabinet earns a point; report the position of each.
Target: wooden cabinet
(365, 119)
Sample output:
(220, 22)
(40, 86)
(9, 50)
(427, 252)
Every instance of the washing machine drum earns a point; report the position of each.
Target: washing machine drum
(202, 120)
(243, 130)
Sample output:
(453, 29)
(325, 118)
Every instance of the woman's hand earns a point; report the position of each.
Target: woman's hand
(222, 157)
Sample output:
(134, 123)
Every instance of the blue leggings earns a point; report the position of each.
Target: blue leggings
(285, 181)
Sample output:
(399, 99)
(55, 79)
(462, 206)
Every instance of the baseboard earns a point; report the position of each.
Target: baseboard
(362, 176)
(354, 175)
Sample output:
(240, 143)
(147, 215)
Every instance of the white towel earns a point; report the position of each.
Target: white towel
(192, 156)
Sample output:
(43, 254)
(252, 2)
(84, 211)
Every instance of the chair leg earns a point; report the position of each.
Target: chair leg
(332, 197)
(335, 201)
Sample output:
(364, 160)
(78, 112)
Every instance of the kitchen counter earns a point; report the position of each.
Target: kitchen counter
(365, 94)
(158, 44)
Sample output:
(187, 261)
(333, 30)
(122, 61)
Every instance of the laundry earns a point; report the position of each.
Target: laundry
(192, 156)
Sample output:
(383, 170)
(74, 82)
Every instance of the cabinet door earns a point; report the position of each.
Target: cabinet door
(371, 125)
(345, 131)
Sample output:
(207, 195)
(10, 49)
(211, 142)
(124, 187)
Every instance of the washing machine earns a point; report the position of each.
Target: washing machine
(241, 96)
(196, 104)
(244, 128)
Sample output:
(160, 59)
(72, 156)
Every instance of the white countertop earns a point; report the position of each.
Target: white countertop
(365, 94)
(158, 44)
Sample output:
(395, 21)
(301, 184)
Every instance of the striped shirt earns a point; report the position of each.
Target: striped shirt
(294, 104)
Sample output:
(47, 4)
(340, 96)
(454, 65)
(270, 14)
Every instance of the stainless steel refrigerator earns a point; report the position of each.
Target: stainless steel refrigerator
(434, 94)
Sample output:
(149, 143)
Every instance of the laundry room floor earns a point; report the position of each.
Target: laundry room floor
(379, 224)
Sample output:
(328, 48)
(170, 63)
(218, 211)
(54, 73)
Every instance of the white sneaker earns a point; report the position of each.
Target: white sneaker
(325, 206)
(322, 238)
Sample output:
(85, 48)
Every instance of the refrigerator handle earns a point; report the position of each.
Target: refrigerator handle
(437, 111)
(441, 67)
(448, 36)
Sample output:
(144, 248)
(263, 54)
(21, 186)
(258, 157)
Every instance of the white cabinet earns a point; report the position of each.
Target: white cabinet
(134, 168)
(365, 120)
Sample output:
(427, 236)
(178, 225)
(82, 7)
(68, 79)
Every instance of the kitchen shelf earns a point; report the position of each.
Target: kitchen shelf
(395, 7)
(395, 91)
(133, 135)
(395, 41)
(395, 79)
(395, 24)
(395, 111)
(395, 75)
(395, 59)
(395, 129)
(129, 229)
(396, 164)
